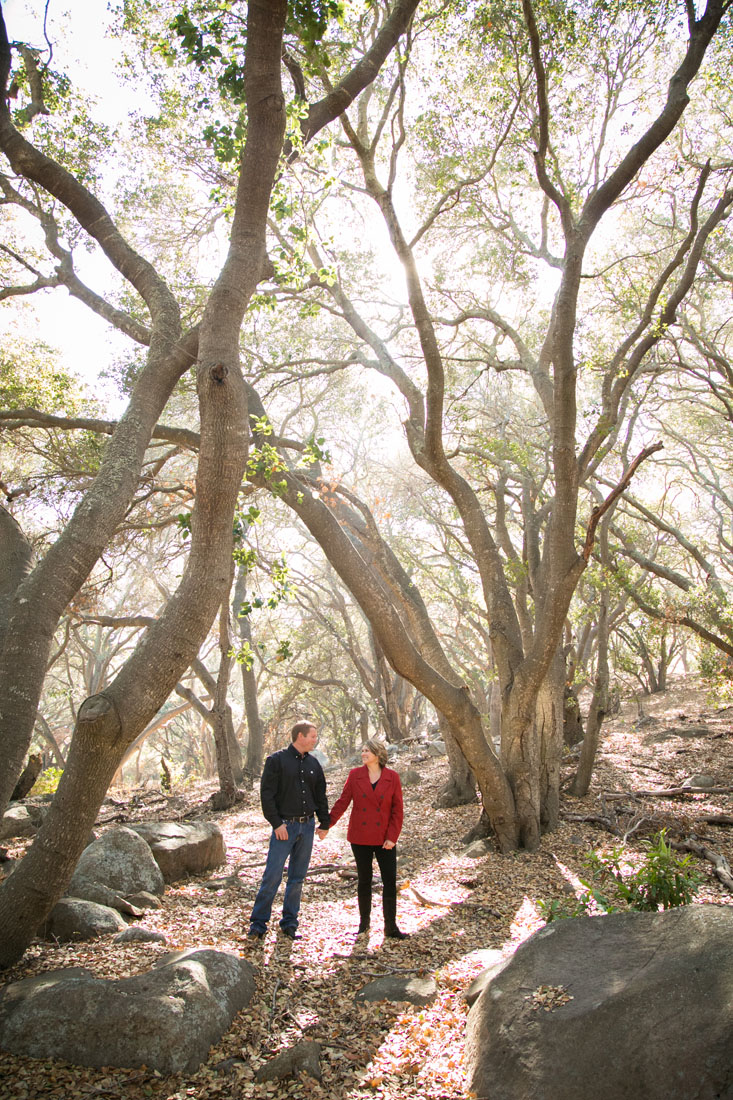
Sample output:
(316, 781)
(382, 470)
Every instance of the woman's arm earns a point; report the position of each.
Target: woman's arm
(341, 804)
(396, 814)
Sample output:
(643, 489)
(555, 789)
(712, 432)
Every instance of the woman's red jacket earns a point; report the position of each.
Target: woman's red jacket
(377, 814)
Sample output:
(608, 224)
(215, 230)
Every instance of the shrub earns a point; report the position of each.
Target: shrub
(47, 781)
(662, 881)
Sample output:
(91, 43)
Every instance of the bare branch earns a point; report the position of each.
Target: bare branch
(598, 513)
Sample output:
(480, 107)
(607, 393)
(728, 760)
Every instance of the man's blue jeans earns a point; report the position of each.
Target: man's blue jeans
(298, 847)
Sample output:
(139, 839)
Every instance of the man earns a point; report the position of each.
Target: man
(292, 791)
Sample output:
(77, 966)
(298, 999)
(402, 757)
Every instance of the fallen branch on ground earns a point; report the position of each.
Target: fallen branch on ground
(332, 869)
(668, 792)
(422, 900)
(720, 863)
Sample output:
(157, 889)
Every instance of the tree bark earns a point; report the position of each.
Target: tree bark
(28, 776)
(460, 789)
(16, 559)
(599, 702)
(551, 728)
(255, 755)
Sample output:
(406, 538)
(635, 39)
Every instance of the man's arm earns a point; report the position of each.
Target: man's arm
(268, 791)
(321, 800)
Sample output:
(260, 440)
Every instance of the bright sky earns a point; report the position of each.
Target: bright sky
(77, 30)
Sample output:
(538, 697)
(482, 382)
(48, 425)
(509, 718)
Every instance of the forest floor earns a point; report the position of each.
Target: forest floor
(452, 906)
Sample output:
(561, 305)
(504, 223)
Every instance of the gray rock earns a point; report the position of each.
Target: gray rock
(692, 732)
(435, 748)
(638, 1004)
(478, 849)
(184, 848)
(120, 860)
(77, 919)
(166, 1019)
(699, 781)
(143, 900)
(36, 811)
(411, 778)
(137, 934)
(302, 1058)
(17, 822)
(417, 991)
(494, 960)
(103, 895)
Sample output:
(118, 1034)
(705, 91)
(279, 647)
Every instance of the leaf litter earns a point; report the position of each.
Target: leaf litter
(454, 907)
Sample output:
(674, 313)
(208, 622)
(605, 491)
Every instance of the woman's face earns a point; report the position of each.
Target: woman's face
(369, 758)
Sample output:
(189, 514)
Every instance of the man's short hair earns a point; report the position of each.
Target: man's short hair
(301, 727)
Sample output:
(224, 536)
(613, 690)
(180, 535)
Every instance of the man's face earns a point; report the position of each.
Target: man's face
(308, 740)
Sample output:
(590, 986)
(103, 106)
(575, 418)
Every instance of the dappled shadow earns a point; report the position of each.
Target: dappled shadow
(453, 907)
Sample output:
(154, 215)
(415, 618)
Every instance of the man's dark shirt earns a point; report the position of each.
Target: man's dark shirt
(293, 785)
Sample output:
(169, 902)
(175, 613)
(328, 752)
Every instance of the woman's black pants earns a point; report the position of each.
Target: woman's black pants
(387, 862)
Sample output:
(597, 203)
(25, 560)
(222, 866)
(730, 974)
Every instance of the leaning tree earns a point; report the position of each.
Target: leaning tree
(64, 201)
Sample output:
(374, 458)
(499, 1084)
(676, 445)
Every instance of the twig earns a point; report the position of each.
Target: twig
(332, 869)
(274, 995)
(384, 966)
(607, 822)
(426, 901)
(391, 970)
(634, 827)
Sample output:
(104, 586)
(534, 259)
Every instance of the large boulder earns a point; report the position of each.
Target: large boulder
(77, 919)
(166, 1019)
(16, 822)
(396, 987)
(120, 860)
(184, 848)
(613, 1007)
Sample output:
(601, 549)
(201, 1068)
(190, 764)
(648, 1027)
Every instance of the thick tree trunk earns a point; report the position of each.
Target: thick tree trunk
(16, 558)
(29, 894)
(597, 710)
(572, 719)
(460, 788)
(521, 759)
(550, 730)
(389, 694)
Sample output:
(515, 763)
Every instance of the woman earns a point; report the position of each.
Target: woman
(374, 825)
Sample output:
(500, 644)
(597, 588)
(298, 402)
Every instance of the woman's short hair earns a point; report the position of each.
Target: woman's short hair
(378, 748)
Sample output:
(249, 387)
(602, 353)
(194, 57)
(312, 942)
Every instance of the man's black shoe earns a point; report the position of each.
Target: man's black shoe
(254, 935)
(290, 933)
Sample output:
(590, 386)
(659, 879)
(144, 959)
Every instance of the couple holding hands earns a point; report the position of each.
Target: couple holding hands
(293, 794)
